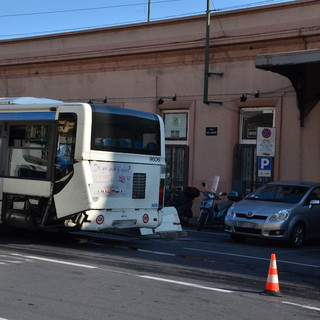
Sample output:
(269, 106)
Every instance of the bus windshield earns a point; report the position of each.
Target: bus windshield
(122, 130)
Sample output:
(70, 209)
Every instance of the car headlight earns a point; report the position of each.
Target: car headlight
(280, 215)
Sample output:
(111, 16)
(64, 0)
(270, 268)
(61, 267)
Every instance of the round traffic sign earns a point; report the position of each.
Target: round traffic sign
(266, 133)
(145, 218)
(100, 219)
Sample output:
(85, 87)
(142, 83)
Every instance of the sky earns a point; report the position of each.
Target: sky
(28, 18)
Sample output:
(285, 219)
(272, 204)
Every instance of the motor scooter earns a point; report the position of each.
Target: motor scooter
(182, 200)
(212, 213)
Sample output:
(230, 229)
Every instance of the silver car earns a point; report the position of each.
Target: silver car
(278, 210)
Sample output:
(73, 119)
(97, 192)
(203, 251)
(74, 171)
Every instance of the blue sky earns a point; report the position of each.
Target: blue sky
(22, 18)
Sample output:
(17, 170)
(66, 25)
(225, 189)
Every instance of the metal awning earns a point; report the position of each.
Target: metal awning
(302, 68)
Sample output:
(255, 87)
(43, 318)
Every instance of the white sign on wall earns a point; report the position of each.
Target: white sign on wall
(266, 142)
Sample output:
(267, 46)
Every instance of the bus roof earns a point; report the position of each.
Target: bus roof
(28, 101)
(119, 111)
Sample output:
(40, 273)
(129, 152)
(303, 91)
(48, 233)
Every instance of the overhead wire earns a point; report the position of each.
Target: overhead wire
(83, 9)
(252, 4)
(121, 22)
(227, 97)
(94, 26)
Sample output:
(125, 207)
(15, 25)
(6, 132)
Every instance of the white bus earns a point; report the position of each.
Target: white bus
(79, 166)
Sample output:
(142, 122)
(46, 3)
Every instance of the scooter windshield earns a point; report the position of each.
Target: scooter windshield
(212, 183)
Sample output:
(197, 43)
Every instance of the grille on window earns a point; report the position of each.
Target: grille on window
(139, 186)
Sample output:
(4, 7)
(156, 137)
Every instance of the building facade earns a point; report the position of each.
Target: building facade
(262, 74)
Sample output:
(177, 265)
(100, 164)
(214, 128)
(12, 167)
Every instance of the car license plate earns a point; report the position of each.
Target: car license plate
(244, 224)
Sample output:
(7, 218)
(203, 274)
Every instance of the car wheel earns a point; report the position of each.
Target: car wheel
(237, 238)
(297, 235)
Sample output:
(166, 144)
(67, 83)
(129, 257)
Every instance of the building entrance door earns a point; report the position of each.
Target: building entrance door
(177, 163)
(245, 161)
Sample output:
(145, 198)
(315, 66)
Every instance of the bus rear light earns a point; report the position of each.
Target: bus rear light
(161, 194)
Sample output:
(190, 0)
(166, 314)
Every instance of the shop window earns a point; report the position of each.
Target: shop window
(251, 119)
(176, 126)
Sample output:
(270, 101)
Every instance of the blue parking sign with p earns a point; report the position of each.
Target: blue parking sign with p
(265, 163)
(264, 166)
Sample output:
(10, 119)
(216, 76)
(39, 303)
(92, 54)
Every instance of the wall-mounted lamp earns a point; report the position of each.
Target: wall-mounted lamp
(243, 98)
(104, 100)
(161, 100)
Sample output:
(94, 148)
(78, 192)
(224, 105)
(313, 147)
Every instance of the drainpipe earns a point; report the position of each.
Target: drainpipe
(207, 74)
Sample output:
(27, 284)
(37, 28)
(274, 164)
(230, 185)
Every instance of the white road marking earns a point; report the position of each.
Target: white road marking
(302, 306)
(5, 259)
(57, 261)
(140, 276)
(182, 283)
(158, 252)
(188, 284)
(253, 257)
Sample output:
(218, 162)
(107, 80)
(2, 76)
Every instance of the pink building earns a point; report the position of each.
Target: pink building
(269, 56)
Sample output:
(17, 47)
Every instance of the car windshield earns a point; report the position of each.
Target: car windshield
(279, 193)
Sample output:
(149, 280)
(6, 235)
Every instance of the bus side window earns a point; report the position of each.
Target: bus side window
(123, 143)
(138, 144)
(27, 153)
(66, 144)
(64, 157)
(151, 146)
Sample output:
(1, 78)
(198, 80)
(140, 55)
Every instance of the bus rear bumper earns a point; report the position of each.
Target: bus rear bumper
(170, 225)
(101, 220)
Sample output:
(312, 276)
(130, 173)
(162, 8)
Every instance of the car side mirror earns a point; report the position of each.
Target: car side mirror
(314, 203)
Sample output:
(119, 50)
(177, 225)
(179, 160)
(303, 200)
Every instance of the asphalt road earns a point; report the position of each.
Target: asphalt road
(202, 275)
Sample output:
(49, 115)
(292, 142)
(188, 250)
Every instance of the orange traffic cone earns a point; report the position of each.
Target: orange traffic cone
(272, 286)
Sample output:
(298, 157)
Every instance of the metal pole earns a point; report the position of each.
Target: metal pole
(149, 10)
(207, 56)
(207, 74)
